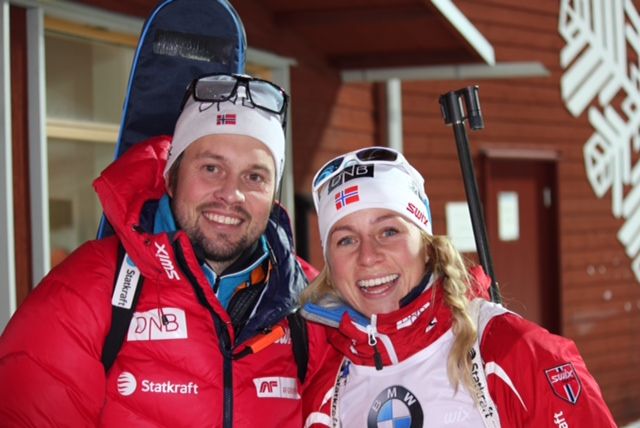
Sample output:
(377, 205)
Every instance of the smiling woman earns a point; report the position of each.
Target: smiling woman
(412, 332)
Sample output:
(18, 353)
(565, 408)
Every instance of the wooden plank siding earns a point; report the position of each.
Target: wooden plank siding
(600, 297)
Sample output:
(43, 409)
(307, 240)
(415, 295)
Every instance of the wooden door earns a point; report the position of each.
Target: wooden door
(521, 215)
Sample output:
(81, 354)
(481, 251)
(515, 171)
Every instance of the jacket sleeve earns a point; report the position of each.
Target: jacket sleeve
(324, 363)
(50, 352)
(538, 379)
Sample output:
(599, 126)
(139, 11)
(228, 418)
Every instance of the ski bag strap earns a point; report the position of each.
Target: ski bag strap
(126, 292)
(299, 343)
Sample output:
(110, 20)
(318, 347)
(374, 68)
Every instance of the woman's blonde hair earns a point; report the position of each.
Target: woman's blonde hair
(446, 263)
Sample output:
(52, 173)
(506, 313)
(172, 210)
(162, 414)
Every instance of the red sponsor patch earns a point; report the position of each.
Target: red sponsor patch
(565, 382)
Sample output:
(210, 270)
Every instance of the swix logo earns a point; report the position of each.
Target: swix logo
(149, 325)
(127, 385)
(408, 321)
(565, 382)
(165, 261)
(277, 387)
(286, 339)
(417, 213)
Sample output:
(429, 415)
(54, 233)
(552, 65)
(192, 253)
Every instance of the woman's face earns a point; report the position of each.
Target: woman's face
(375, 258)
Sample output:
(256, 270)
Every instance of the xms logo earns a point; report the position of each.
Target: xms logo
(126, 384)
(395, 407)
(165, 261)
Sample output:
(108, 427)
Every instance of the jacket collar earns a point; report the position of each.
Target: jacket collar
(396, 335)
(399, 334)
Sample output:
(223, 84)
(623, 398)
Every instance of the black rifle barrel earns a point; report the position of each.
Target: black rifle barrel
(453, 114)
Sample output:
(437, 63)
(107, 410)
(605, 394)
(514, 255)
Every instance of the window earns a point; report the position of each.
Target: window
(86, 80)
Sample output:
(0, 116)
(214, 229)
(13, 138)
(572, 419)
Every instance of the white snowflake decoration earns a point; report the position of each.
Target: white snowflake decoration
(598, 34)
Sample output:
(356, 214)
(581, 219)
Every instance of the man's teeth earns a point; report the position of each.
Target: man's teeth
(222, 219)
(365, 283)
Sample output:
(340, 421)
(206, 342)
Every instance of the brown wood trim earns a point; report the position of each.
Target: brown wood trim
(20, 151)
(520, 153)
(88, 32)
(381, 114)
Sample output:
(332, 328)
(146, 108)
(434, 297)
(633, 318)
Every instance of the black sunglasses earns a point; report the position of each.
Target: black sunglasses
(222, 87)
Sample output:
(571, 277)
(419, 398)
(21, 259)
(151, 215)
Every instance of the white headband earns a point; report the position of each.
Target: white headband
(206, 118)
(373, 185)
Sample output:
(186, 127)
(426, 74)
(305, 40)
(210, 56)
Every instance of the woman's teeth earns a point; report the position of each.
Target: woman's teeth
(375, 282)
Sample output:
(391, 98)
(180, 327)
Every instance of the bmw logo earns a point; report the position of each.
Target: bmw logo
(395, 407)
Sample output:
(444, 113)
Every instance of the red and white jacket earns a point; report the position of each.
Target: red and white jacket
(534, 378)
(186, 373)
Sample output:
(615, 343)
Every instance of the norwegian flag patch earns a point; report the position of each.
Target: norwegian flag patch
(346, 197)
(226, 119)
(565, 382)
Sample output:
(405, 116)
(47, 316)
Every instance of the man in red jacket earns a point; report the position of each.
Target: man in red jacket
(205, 256)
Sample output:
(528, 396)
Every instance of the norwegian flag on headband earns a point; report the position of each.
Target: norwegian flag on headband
(226, 119)
(346, 197)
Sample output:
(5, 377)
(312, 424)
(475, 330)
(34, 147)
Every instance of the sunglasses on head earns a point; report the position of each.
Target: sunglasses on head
(220, 87)
(369, 155)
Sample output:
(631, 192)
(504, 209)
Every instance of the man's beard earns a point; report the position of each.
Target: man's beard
(221, 250)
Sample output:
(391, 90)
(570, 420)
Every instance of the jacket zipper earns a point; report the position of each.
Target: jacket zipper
(372, 331)
(224, 340)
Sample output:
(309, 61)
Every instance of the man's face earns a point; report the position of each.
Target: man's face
(223, 195)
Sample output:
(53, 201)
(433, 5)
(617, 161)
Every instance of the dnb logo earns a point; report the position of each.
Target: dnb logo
(350, 173)
(395, 407)
(565, 382)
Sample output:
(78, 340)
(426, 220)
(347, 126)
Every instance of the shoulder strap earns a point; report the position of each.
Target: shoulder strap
(299, 342)
(484, 401)
(126, 292)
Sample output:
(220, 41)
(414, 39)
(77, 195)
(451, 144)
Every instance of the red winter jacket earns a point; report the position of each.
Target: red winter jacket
(185, 373)
(535, 379)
